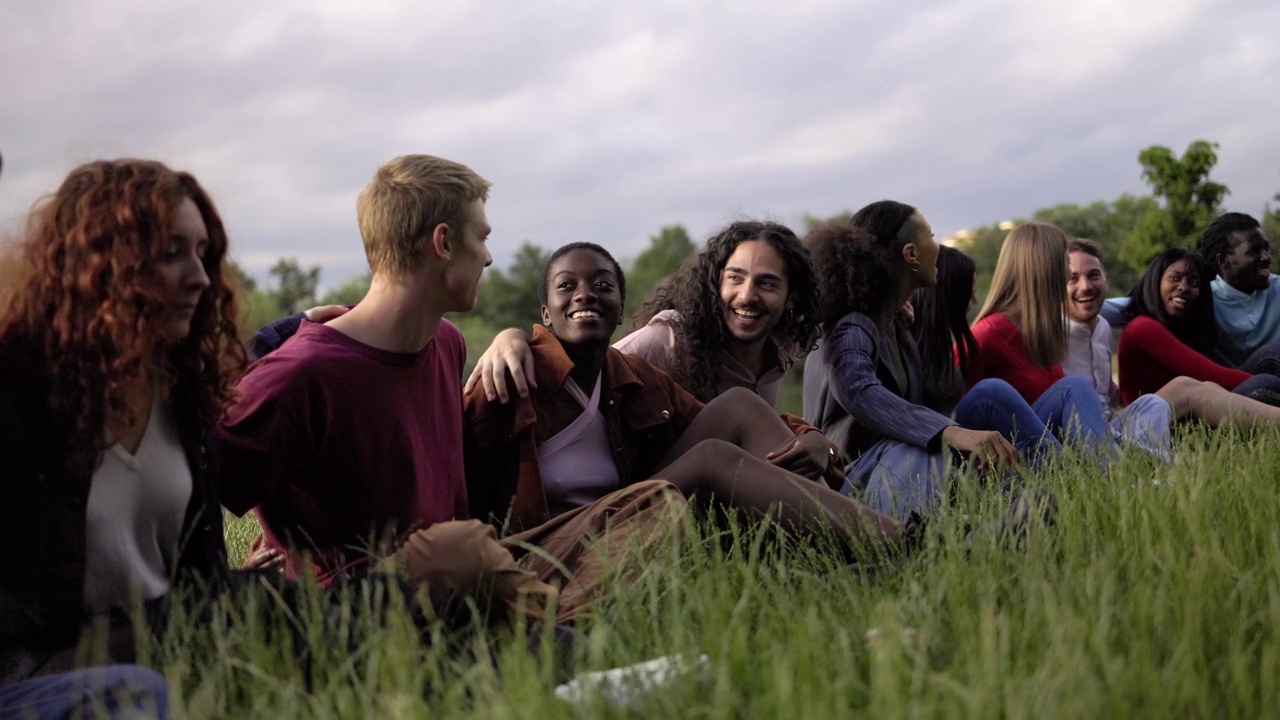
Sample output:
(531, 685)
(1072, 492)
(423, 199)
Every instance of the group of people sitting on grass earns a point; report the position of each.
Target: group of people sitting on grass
(130, 415)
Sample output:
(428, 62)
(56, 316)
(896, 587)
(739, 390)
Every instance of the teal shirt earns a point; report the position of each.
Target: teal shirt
(1246, 321)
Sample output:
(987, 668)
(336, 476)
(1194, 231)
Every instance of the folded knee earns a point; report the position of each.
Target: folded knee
(1184, 394)
(996, 392)
(1075, 384)
(738, 404)
(456, 554)
(716, 453)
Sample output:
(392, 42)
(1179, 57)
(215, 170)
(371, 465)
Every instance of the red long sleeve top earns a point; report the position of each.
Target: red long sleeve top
(1150, 356)
(1004, 356)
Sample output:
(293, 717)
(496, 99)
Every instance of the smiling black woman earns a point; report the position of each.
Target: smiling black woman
(599, 420)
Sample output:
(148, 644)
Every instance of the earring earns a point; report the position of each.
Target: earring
(915, 266)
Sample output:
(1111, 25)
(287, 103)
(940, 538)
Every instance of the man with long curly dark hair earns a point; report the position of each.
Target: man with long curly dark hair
(737, 314)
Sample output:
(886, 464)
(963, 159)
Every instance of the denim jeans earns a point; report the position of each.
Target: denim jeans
(1264, 360)
(898, 478)
(1263, 387)
(113, 691)
(1069, 412)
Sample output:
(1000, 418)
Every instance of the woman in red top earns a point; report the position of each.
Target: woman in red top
(1172, 326)
(1022, 334)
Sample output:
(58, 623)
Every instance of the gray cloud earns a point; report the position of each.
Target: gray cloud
(604, 122)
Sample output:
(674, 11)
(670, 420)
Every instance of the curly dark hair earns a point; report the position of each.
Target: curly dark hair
(1221, 237)
(693, 291)
(859, 265)
(942, 329)
(91, 300)
(1197, 329)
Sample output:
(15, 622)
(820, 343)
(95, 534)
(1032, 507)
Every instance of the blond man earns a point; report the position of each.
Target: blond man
(347, 440)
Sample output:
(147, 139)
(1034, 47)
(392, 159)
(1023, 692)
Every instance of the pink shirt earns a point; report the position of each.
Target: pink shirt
(337, 443)
(656, 344)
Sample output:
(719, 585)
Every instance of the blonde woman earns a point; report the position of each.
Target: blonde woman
(1022, 338)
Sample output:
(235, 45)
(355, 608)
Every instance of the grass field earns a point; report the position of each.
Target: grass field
(1157, 595)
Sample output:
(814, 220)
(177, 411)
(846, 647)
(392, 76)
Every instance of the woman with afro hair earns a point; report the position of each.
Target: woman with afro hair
(865, 386)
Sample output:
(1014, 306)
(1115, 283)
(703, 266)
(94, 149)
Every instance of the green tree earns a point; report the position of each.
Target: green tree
(1109, 224)
(1127, 212)
(510, 299)
(255, 307)
(667, 249)
(242, 280)
(295, 288)
(1271, 220)
(349, 292)
(983, 247)
(809, 222)
(1191, 200)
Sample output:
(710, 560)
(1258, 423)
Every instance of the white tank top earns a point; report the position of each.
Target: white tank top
(137, 504)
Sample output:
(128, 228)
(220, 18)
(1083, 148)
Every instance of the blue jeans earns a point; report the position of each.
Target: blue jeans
(1264, 360)
(896, 478)
(1263, 387)
(1068, 412)
(113, 691)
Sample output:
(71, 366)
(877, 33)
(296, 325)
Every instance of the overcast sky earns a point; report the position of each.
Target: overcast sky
(604, 121)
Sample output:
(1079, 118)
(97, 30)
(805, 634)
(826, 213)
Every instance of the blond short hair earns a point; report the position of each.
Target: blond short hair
(407, 198)
(1030, 287)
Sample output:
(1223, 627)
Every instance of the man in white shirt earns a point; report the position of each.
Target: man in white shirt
(1088, 333)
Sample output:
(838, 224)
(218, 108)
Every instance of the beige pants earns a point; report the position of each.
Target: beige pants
(561, 563)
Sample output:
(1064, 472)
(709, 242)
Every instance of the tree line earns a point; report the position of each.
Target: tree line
(1132, 229)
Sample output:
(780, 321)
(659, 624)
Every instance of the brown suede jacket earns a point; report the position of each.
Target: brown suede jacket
(645, 409)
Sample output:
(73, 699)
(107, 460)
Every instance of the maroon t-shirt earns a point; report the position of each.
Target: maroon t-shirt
(338, 444)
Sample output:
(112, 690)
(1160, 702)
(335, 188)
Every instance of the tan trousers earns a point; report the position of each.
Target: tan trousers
(559, 564)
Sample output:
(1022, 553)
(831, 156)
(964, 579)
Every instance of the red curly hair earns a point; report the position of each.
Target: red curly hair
(91, 300)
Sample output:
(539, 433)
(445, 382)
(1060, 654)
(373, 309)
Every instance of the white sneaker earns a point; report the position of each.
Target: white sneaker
(626, 686)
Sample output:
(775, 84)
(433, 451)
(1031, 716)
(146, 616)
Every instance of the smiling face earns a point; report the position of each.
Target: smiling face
(753, 292)
(1179, 288)
(584, 304)
(180, 272)
(1247, 267)
(1086, 287)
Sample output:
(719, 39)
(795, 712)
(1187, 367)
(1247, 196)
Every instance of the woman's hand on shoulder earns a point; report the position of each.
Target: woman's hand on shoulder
(508, 353)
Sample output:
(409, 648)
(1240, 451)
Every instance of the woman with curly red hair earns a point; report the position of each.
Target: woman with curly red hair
(117, 352)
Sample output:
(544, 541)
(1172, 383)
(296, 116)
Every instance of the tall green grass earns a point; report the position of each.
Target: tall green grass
(1156, 595)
